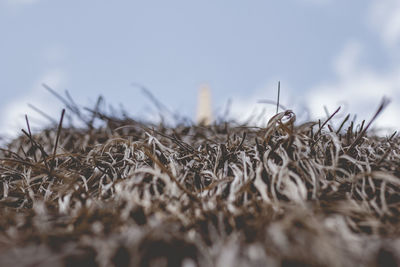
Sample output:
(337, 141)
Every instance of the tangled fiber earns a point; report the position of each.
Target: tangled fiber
(128, 193)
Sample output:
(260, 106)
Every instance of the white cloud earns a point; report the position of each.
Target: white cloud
(355, 86)
(384, 17)
(359, 87)
(14, 120)
(345, 65)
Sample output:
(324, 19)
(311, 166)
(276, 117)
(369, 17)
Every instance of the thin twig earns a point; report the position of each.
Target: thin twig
(58, 133)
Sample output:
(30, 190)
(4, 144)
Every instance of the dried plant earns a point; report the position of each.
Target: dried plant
(129, 193)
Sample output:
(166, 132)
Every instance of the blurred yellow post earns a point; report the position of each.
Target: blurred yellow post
(204, 110)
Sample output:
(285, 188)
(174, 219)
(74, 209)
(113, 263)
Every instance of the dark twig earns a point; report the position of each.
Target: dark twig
(279, 94)
(58, 133)
(330, 117)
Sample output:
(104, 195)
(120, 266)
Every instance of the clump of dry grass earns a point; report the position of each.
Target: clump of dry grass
(134, 194)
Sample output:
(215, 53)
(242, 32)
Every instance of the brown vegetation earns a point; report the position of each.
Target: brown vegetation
(133, 194)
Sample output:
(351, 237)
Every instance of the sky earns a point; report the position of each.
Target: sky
(325, 53)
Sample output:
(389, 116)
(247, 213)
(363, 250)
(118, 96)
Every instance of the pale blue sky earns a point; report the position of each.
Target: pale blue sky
(241, 48)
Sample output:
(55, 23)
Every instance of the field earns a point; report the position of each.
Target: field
(128, 193)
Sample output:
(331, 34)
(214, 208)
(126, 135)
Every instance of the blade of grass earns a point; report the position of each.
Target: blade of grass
(381, 107)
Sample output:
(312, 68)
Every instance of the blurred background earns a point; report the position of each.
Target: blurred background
(324, 52)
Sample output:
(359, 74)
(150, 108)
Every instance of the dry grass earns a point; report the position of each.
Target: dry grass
(135, 194)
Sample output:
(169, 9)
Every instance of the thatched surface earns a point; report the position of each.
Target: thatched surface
(131, 194)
